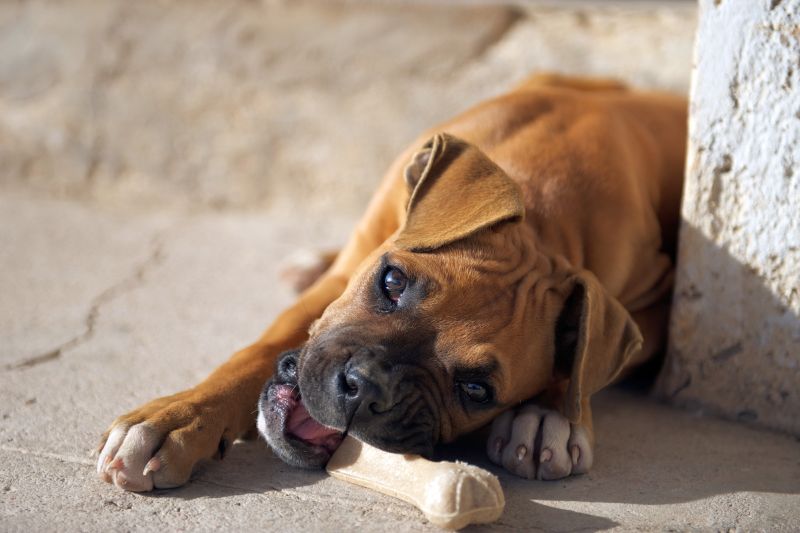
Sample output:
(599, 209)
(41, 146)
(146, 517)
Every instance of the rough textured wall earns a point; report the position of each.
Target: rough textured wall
(248, 103)
(735, 338)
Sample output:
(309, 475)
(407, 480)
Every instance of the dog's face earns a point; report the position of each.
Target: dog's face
(438, 331)
(425, 346)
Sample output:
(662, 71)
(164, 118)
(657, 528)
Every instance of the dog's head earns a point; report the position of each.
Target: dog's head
(455, 318)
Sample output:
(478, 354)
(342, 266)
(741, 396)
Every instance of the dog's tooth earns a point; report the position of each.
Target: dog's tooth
(522, 451)
(546, 455)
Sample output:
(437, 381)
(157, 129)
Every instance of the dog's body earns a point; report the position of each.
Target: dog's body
(524, 254)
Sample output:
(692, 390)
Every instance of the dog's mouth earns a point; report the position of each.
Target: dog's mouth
(285, 423)
(299, 424)
(300, 439)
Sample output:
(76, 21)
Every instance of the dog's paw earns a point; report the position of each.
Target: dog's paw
(157, 445)
(538, 443)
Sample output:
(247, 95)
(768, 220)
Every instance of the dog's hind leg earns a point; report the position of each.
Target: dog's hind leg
(304, 268)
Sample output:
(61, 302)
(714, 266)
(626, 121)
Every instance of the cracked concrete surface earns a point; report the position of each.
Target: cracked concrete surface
(57, 307)
(121, 279)
(127, 283)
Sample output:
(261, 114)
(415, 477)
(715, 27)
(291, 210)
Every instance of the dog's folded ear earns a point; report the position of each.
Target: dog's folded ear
(595, 337)
(456, 190)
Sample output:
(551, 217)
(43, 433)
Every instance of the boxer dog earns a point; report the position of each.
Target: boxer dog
(514, 261)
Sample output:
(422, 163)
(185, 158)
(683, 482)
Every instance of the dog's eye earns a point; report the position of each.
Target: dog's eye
(476, 392)
(394, 283)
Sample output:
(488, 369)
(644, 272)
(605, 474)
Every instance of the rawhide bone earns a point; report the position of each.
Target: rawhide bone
(450, 495)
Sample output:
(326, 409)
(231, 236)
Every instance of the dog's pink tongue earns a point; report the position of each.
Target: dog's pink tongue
(304, 427)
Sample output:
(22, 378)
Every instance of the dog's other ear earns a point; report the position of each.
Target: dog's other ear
(456, 190)
(595, 337)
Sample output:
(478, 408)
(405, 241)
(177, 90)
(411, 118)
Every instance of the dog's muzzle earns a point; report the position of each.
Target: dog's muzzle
(285, 423)
(327, 391)
(372, 392)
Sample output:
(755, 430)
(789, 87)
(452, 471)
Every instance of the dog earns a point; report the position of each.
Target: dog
(514, 261)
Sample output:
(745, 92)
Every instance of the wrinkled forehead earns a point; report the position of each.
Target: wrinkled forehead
(458, 282)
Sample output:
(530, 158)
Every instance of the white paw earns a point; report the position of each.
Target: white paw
(127, 458)
(157, 445)
(538, 443)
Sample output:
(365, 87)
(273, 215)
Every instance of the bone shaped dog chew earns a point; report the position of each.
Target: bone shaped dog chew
(450, 495)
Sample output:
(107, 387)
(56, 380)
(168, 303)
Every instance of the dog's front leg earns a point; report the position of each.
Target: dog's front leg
(158, 444)
(536, 441)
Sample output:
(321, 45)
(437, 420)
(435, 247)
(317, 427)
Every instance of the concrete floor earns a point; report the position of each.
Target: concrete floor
(149, 193)
(104, 309)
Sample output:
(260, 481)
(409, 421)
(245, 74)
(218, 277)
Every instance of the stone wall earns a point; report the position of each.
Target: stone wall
(735, 337)
(249, 104)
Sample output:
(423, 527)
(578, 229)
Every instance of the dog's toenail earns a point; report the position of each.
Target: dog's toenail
(521, 452)
(498, 445)
(101, 465)
(546, 455)
(575, 452)
(153, 465)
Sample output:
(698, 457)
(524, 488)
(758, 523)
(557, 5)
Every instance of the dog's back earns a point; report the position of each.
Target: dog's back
(601, 168)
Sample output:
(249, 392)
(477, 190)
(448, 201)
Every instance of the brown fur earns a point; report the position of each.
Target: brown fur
(592, 169)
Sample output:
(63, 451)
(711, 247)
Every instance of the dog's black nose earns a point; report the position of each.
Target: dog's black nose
(361, 392)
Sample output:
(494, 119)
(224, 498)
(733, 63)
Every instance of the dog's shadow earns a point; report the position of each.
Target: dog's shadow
(251, 468)
(647, 454)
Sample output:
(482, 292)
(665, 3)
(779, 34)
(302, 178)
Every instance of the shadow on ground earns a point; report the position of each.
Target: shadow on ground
(647, 454)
